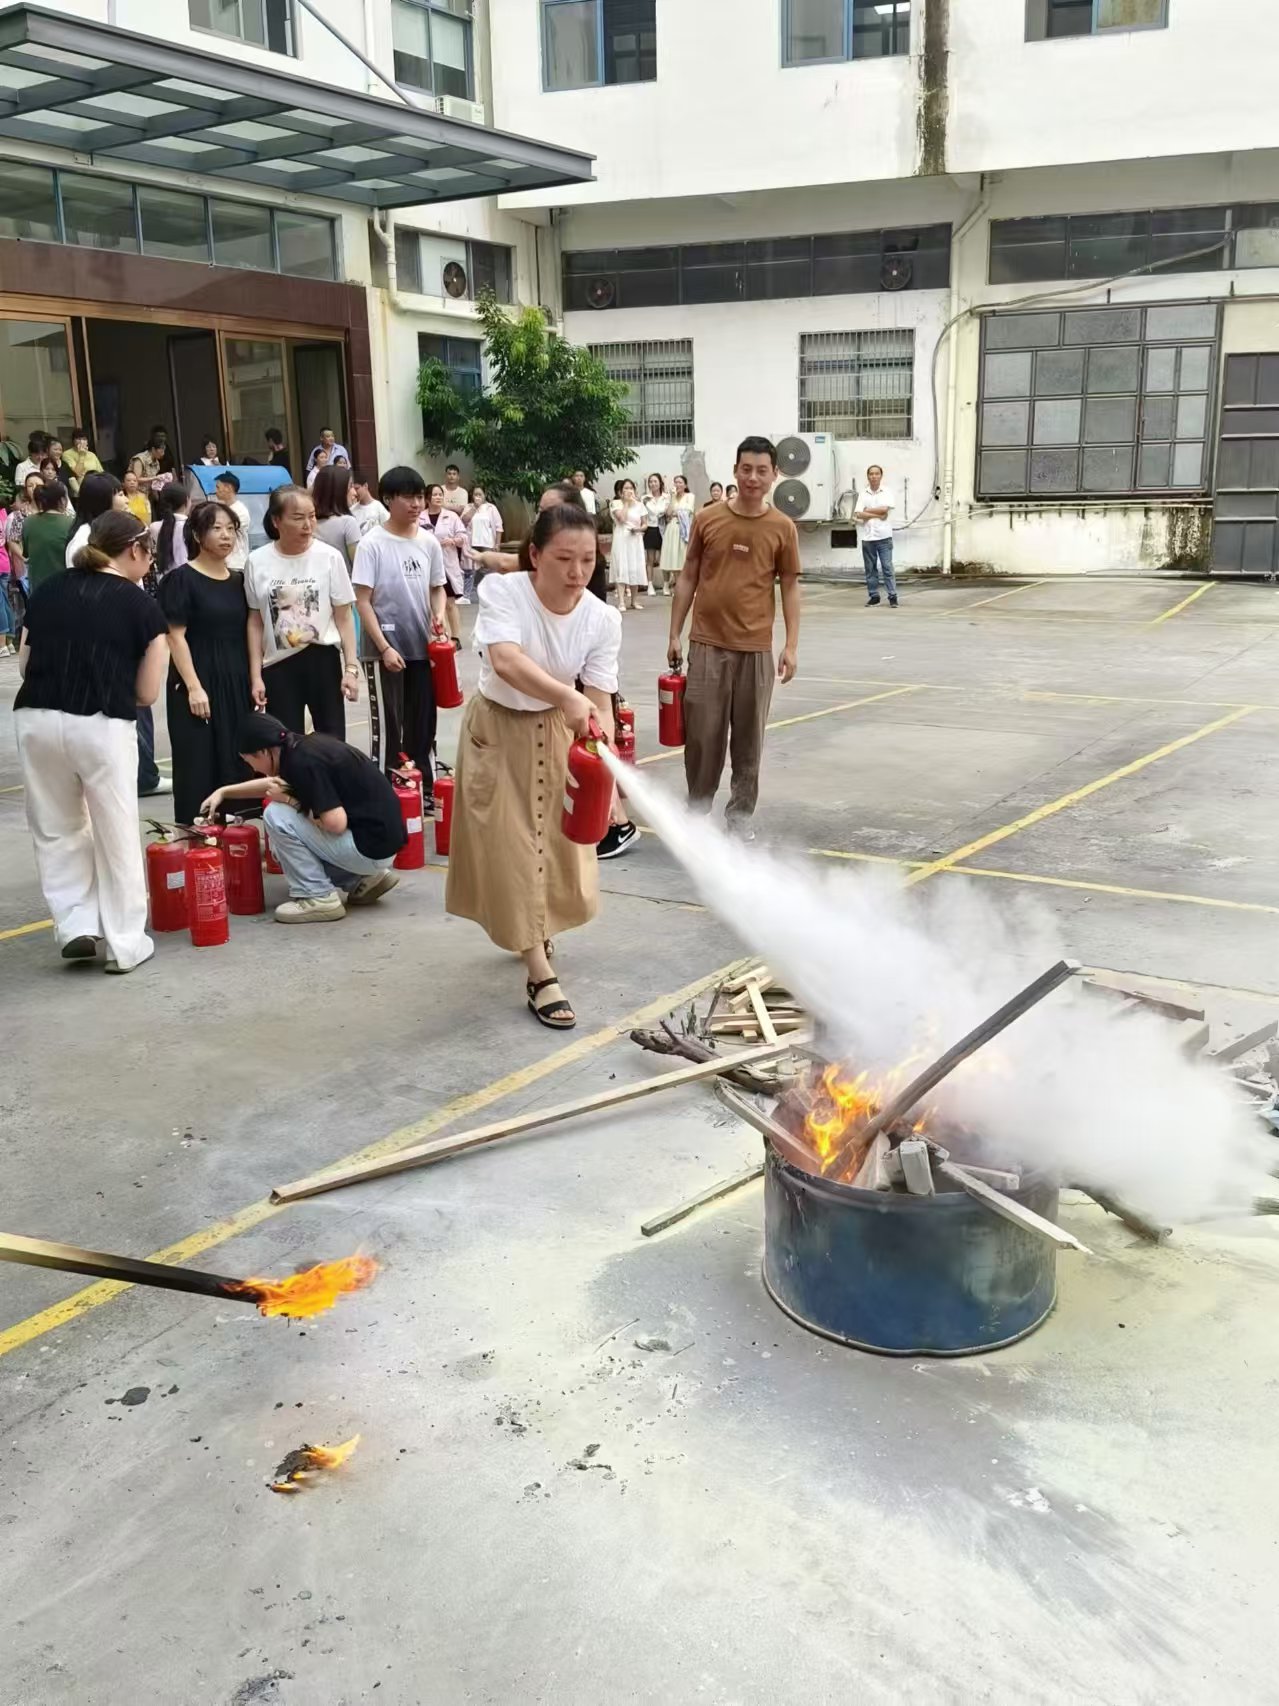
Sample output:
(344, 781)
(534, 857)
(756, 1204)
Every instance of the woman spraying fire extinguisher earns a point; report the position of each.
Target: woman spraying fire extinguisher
(511, 868)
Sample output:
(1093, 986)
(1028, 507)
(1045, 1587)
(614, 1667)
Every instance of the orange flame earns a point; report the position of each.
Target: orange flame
(308, 1460)
(310, 1292)
(841, 1104)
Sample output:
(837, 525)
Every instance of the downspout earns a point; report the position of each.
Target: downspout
(952, 382)
(382, 225)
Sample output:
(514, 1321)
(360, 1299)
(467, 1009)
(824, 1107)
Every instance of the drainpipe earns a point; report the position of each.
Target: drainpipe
(382, 226)
(952, 383)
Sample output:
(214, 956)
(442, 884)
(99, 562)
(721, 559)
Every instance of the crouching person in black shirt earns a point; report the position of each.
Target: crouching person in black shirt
(332, 818)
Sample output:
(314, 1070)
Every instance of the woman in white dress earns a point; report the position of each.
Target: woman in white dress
(657, 510)
(629, 571)
(678, 530)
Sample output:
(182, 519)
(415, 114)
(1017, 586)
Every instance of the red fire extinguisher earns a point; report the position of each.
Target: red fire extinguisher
(443, 812)
(408, 791)
(242, 869)
(270, 864)
(588, 795)
(207, 916)
(670, 708)
(443, 660)
(167, 881)
(626, 734)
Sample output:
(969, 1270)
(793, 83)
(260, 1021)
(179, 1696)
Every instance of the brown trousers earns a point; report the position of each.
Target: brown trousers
(725, 710)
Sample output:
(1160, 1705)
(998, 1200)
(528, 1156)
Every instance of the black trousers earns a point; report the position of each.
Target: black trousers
(402, 717)
(310, 680)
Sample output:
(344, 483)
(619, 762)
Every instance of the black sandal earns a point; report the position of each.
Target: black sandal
(556, 1015)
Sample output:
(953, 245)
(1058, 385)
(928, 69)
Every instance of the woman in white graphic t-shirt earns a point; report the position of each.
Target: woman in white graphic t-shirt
(874, 506)
(302, 647)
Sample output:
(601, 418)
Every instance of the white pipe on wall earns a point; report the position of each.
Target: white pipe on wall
(952, 385)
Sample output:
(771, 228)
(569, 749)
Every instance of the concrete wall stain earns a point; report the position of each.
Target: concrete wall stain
(934, 88)
(1187, 539)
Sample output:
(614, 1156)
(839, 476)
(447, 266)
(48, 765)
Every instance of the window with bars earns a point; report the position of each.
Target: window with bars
(586, 43)
(1048, 20)
(659, 387)
(1099, 402)
(821, 32)
(431, 41)
(264, 23)
(857, 384)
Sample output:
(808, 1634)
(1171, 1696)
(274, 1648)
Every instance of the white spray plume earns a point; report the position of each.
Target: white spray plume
(1074, 1089)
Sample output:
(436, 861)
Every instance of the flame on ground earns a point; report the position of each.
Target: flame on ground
(310, 1292)
(308, 1460)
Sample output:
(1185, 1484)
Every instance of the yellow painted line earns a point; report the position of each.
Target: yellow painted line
(1116, 888)
(1074, 797)
(26, 929)
(1185, 604)
(790, 722)
(93, 1296)
(959, 609)
(866, 858)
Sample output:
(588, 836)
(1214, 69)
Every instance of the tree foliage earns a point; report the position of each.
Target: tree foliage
(550, 408)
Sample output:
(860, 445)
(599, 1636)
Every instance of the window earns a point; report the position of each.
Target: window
(586, 43)
(659, 388)
(461, 356)
(174, 224)
(98, 213)
(1102, 402)
(28, 203)
(817, 32)
(305, 244)
(432, 46)
(1046, 20)
(857, 384)
(423, 258)
(840, 264)
(35, 379)
(1176, 240)
(242, 235)
(266, 23)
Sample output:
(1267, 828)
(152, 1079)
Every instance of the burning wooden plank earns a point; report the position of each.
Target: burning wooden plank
(296, 1296)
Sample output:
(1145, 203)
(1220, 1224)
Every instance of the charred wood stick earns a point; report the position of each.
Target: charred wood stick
(724, 1188)
(1132, 1220)
(669, 1041)
(98, 1264)
(787, 1146)
(932, 1076)
(441, 1149)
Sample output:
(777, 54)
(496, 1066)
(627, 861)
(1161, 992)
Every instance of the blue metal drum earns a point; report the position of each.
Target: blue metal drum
(904, 1275)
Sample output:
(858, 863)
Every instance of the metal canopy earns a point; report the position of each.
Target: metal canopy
(122, 97)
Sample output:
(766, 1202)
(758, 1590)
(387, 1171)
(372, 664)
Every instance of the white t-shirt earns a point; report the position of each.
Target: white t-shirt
(370, 515)
(882, 499)
(296, 596)
(486, 527)
(588, 498)
(401, 573)
(78, 538)
(240, 553)
(586, 642)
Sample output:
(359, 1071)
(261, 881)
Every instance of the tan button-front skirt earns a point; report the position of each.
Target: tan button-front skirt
(511, 867)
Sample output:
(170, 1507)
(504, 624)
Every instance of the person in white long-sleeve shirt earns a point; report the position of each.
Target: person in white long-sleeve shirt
(874, 507)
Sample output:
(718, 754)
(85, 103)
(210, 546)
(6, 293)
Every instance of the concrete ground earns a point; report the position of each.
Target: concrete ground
(539, 1510)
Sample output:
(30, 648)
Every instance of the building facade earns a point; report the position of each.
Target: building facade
(1023, 253)
(224, 216)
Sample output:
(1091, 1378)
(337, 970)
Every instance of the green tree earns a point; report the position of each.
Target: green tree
(551, 408)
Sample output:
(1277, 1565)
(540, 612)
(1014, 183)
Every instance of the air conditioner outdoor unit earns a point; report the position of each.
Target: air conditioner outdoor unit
(453, 106)
(805, 488)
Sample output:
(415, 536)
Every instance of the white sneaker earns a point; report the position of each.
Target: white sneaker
(371, 889)
(318, 909)
(163, 786)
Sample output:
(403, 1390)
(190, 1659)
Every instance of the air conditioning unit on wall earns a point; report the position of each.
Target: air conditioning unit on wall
(805, 488)
(453, 106)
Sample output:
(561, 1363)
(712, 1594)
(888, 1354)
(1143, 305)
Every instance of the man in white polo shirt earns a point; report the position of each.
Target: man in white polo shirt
(874, 506)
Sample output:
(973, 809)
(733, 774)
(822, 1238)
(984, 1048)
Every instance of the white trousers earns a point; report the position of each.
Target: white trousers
(81, 778)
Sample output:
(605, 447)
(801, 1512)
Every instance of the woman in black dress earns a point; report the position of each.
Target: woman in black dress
(209, 673)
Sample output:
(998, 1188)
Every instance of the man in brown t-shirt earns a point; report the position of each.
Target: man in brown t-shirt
(737, 553)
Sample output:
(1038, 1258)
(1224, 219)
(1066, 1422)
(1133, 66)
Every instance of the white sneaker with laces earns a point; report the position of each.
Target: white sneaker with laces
(312, 909)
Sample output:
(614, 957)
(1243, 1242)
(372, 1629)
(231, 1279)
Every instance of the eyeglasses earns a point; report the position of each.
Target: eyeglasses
(144, 538)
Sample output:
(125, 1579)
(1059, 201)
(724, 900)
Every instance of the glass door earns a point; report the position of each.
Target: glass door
(37, 384)
(257, 395)
(318, 371)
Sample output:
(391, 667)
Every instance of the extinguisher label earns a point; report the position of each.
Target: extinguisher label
(176, 880)
(665, 697)
(209, 892)
(414, 826)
